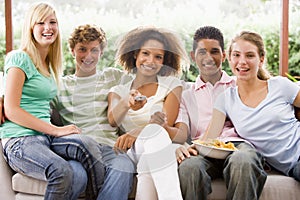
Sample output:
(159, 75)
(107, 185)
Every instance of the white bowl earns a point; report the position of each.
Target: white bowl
(212, 151)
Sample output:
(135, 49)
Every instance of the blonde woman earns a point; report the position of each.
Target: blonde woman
(32, 145)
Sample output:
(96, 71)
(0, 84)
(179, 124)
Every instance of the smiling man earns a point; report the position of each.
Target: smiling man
(196, 171)
(82, 101)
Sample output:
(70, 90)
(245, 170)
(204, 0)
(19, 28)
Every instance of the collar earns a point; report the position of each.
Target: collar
(225, 79)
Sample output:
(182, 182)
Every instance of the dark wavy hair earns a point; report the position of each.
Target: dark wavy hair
(130, 44)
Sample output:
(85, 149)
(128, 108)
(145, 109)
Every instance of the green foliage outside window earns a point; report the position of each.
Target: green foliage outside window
(271, 39)
(2, 53)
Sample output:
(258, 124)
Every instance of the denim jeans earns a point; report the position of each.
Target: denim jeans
(119, 175)
(44, 157)
(295, 171)
(79, 181)
(118, 179)
(242, 171)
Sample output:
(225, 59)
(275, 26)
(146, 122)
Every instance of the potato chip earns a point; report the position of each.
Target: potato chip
(217, 143)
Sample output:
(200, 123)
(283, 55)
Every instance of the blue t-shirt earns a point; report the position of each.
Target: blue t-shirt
(38, 90)
(271, 126)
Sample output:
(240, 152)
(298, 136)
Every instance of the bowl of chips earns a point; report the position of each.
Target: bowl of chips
(214, 148)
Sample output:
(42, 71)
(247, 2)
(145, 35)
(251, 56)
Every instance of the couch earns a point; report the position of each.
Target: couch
(20, 187)
(15, 186)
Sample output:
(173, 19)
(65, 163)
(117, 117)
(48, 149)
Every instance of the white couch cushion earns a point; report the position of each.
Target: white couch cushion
(277, 187)
(22, 196)
(25, 184)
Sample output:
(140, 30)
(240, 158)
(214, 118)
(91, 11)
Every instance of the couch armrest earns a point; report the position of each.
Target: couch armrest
(6, 173)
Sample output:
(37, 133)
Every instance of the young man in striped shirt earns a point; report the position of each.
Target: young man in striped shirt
(82, 100)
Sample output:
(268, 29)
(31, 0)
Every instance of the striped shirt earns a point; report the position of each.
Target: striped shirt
(83, 101)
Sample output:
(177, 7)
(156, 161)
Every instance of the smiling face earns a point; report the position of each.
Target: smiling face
(209, 57)
(244, 60)
(150, 58)
(87, 56)
(45, 32)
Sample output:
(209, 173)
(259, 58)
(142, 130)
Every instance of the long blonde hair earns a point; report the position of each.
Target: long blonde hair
(39, 12)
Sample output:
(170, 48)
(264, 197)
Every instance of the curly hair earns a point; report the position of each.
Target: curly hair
(87, 33)
(130, 44)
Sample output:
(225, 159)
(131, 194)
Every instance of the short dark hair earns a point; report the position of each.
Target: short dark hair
(208, 32)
